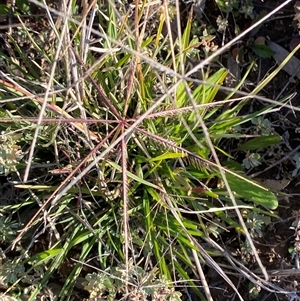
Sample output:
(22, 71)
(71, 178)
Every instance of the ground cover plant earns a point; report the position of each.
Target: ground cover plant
(144, 149)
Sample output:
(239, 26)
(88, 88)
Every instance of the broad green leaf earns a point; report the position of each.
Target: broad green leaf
(153, 193)
(181, 95)
(252, 192)
(263, 51)
(147, 41)
(23, 5)
(168, 156)
(207, 92)
(43, 256)
(211, 194)
(186, 34)
(260, 142)
(81, 237)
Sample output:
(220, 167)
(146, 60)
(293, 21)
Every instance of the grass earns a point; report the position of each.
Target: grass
(117, 156)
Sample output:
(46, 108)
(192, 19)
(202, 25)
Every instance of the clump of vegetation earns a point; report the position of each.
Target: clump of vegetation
(125, 151)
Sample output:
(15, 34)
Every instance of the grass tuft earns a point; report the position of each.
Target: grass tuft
(125, 154)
